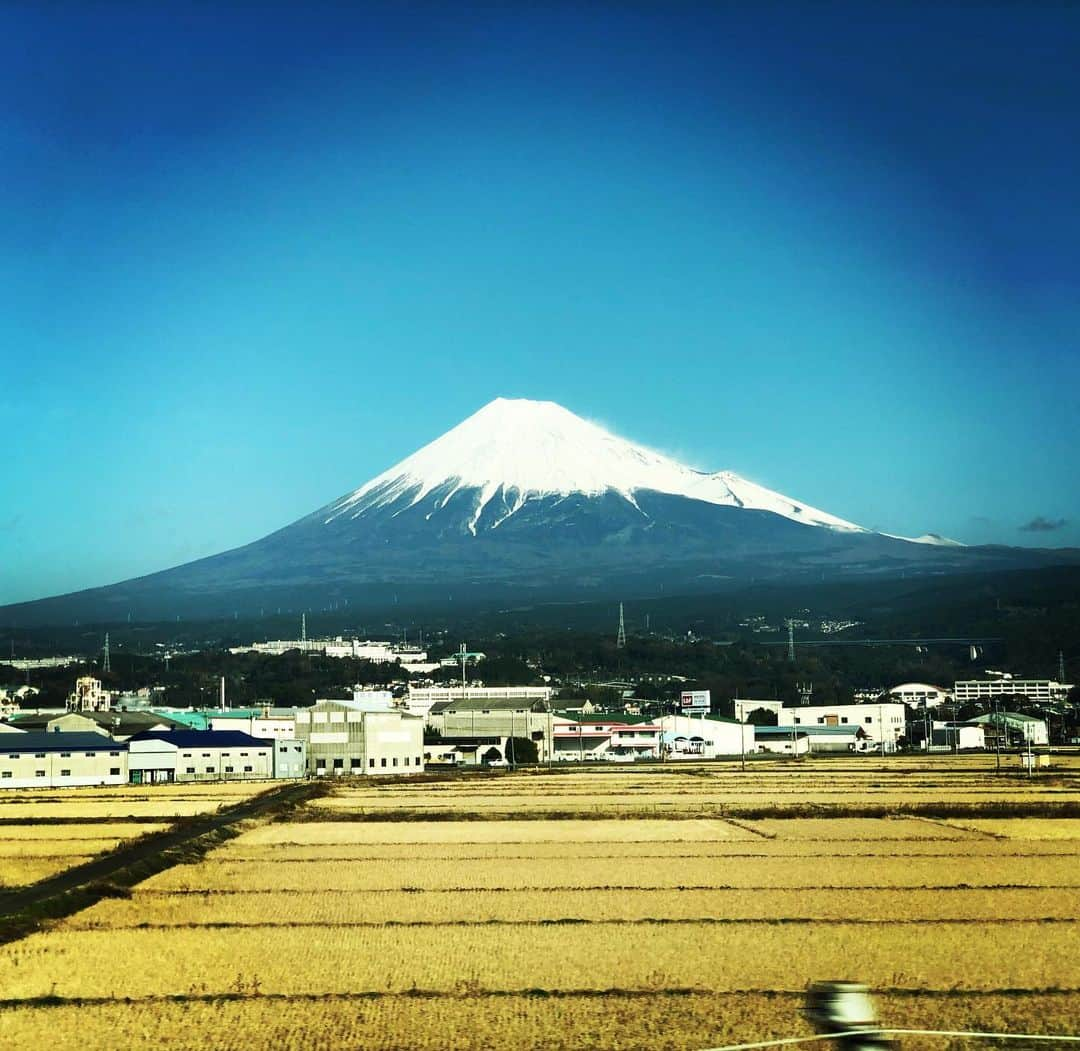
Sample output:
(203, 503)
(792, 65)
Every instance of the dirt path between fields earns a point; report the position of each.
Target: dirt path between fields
(142, 858)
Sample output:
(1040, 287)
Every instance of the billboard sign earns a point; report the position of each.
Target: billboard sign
(696, 701)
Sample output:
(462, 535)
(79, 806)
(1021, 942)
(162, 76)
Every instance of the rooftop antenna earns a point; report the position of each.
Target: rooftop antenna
(105, 666)
(790, 639)
(620, 639)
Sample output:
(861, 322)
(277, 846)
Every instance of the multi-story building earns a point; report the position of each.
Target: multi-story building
(51, 760)
(505, 711)
(360, 737)
(88, 696)
(1041, 691)
(882, 723)
(622, 739)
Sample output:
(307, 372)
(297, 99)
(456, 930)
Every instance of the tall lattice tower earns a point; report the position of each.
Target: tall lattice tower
(105, 666)
(1061, 666)
(790, 639)
(620, 639)
(303, 627)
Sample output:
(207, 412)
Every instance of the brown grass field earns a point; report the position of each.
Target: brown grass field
(675, 932)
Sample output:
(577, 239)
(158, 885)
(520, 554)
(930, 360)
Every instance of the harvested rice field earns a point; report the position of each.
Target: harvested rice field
(862, 787)
(32, 852)
(675, 932)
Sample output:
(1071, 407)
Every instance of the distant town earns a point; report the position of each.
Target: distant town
(395, 708)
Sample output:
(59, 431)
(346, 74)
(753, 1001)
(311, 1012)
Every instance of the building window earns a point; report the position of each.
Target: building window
(869, 719)
(228, 769)
(371, 762)
(206, 755)
(114, 771)
(39, 773)
(339, 763)
(65, 773)
(382, 762)
(406, 760)
(243, 755)
(797, 720)
(247, 769)
(209, 769)
(821, 719)
(283, 751)
(395, 760)
(90, 755)
(63, 755)
(6, 773)
(355, 762)
(843, 718)
(187, 755)
(418, 763)
(190, 770)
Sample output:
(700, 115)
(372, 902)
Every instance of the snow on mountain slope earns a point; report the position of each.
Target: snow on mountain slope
(519, 450)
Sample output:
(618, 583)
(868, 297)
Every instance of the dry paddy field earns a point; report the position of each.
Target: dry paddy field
(45, 831)
(677, 932)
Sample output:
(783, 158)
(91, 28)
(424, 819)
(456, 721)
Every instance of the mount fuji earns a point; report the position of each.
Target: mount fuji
(525, 500)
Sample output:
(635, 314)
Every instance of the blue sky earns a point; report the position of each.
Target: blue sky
(254, 255)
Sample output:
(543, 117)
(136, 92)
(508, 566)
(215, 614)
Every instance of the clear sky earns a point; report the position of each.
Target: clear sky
(252, 256)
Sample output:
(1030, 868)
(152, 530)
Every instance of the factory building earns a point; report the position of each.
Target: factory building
(502, 712)
(879, 722)
(360, 738)
(199, 755)
(50, 760)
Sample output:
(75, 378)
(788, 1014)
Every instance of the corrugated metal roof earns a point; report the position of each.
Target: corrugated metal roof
(55, 741)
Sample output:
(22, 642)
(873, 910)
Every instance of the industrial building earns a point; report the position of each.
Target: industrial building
(690, 737)
(880, 722)
(504, 712)
(420, 701)
(360, 737)
(815, 739)
(199, 755)
(52, 760)
(1019, 729)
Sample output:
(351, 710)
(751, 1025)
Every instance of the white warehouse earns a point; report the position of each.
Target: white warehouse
(880, 722)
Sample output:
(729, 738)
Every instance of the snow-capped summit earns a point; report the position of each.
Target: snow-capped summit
(516, 450)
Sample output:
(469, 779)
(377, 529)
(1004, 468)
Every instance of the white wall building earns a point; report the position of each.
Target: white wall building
(605, 739)
(199, 755)
(880, 722)
(687, 737)
(44, 760)
(1043, 691)
(918, 695)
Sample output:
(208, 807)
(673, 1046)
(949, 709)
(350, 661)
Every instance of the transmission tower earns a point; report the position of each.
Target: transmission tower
(790, 639)
(1061, 666)
(105, 666)
(620, 639)
(303, 627)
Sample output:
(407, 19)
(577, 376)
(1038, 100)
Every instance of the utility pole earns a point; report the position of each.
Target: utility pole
(462, 653)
